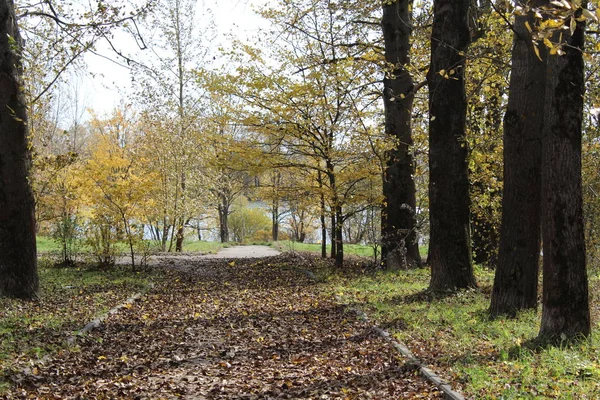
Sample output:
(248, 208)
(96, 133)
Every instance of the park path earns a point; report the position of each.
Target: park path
(252, 251)
(235, 252)
(220, 329)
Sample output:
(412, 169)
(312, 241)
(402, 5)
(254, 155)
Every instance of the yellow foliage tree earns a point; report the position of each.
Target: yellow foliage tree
(115, 186)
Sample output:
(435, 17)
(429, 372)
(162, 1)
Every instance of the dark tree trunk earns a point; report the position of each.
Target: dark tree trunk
(323, 224)
(399, 244)
(18, 258)
(450, 241)
(179, 237)
(516, 280)
(333, 231)
(165, 233)
(223, 223)
(323, 236)
(339, 237)
(565, 311)
(276, 180)
(275, 218)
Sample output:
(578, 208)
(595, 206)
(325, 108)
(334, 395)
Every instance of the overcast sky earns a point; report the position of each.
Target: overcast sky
(108, 83)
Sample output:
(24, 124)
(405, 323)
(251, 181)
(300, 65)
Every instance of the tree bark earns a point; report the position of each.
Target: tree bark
(516, 279)
(565, 311)
(179, 237)
(399, 243)
(18, 258)
(450, 241)
(322, 217)
(339, 237)
(333, 231)
(275, 218)
(223, 223)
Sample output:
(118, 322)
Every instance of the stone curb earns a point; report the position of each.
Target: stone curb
(402, 349)
(427, 373)
(98, 321)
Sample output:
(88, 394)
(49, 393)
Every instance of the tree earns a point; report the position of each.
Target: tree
(516, 279)
(18, 256)
(399, 246)
(311, 99)
(167, 84)
(247, 223)
(565, 311)
(450, 241)
(117, 189)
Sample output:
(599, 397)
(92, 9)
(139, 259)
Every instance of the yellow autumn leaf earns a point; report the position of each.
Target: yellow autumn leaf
(537, 52)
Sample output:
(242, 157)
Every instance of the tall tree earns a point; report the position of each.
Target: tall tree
(450, 239)
(516, 280)
(399, 244)
(318, 103)
(565, 311)
(18, 258)
(168, 86)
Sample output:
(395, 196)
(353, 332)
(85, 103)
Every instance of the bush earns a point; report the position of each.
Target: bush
(261, 236)
(245, 223)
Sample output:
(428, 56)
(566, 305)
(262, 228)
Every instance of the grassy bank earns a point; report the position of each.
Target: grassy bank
(203, 247)
(355, 249)
(47, 245)
(485, 359)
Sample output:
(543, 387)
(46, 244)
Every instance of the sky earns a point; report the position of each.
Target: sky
(107, 83)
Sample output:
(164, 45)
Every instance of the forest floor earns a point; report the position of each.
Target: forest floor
(224, 329)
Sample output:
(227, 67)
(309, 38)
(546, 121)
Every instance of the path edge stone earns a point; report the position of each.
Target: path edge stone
(98, 321)
(429, 374)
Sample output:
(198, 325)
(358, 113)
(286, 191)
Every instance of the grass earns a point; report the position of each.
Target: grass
(47, 245)
(484, 358)
(204, 247)
(356, 249)
(69, 299)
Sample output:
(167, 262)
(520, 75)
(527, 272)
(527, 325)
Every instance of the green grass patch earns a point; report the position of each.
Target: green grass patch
(361, 250)
(47, 244)
(355, 249)
(483, 358)
(69, 299)
(203, 247)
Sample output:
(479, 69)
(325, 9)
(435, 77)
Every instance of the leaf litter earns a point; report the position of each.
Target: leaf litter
(213, 329)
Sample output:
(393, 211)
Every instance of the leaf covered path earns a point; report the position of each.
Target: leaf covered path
(217, 330)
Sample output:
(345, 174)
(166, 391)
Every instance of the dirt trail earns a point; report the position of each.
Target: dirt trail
(253, 251)
(235, 252)
(215, 329)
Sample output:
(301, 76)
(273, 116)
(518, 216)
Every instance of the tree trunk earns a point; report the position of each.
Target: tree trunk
(179, 237)
(450, 242)
(566, 312)
(165, 233)
(339, 237)
(223, 223)
(399, 244)
(275, 218)
(333, 230)
(516, 280)
(323, 224)
(18, 258)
